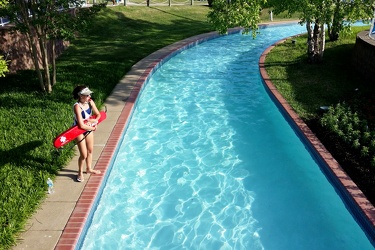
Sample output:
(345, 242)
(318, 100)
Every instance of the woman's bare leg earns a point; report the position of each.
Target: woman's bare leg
(90, 149)
(82, 156)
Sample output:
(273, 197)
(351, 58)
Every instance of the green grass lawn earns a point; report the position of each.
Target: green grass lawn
(119, 37)
(307, 87)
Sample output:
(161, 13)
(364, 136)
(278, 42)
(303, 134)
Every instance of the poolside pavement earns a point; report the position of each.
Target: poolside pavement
(45, 228)
(60, 219)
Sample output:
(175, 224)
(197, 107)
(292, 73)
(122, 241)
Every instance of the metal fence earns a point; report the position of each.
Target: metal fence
(4, 20)
(158, 2)
(151, 2)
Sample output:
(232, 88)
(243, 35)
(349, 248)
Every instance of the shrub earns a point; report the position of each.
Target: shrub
(351, 129)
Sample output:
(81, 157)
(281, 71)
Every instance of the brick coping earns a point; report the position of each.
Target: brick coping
(76, 223)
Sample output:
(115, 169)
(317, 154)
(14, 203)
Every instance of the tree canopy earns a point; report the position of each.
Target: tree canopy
(336, 15)
(235, 13)
(44, 22)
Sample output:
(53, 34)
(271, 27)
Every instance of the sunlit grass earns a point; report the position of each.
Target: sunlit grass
(307, 87)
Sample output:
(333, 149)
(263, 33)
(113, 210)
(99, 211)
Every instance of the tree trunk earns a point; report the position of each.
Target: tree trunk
(44, 51)
(53, 59)
(334, 30)
(315, 42)
(34, 53)
(322, 42)
(31, 37)
(310, 42)
(316, 36)
(37, 36)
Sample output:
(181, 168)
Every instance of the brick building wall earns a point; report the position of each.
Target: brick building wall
(15, 49)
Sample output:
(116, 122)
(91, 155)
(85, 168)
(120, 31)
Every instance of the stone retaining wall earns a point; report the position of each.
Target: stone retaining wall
(364, 56)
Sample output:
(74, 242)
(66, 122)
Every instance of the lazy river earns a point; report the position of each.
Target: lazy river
(208, 161)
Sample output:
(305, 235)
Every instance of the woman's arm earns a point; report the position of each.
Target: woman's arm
(95, 111)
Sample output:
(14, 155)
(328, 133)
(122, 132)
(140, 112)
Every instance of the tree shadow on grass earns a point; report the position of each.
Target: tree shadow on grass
(103, 55)
(22, 156)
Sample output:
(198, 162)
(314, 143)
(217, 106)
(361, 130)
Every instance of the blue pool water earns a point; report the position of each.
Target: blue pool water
(209, 162)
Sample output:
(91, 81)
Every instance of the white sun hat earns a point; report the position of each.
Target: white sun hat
(85, 91)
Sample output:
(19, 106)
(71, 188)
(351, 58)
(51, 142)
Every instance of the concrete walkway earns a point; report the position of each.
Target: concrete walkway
(44, 229)
(61, 217)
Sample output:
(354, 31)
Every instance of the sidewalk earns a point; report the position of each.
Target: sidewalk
(44, 229)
